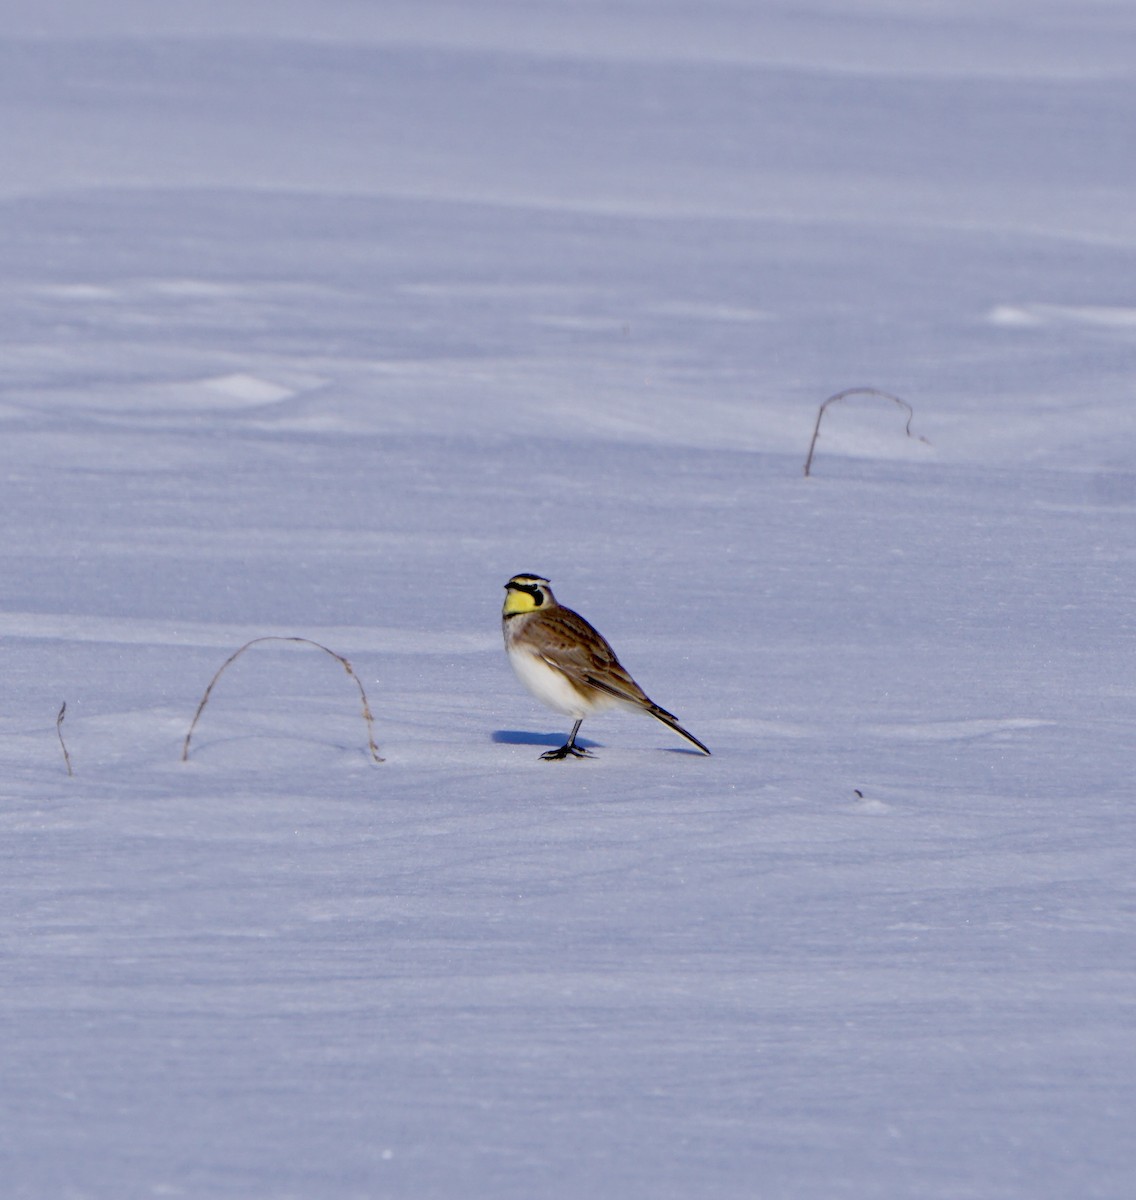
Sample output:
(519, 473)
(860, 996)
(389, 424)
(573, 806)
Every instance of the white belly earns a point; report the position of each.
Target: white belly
(550, 687)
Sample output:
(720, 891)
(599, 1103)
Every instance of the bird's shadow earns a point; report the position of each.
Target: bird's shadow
(522, 737)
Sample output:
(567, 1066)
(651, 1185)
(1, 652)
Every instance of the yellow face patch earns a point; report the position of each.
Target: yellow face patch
(517, 601)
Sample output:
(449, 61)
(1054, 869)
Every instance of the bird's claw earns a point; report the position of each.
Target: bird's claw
(566, 750)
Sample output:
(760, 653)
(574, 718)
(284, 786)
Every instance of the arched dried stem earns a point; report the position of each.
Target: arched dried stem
(858, 391)
(370, 720)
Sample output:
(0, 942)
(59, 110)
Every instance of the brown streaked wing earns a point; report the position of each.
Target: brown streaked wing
(583, 654)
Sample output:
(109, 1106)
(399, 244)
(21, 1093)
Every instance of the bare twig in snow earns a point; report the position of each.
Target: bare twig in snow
(59, 732)
(370, 720)
(858, 391)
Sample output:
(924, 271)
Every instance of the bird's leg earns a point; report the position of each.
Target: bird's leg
(569, 747)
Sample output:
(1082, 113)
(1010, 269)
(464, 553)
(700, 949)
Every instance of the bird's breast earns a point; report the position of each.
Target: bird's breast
(551, 686)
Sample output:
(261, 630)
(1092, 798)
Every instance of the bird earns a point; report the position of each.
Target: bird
(567, 664)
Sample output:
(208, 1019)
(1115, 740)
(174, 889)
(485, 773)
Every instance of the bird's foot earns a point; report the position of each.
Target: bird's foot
(569, 748)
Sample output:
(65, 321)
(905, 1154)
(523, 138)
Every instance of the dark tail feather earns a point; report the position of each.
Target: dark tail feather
(644, 702)
(661, 714)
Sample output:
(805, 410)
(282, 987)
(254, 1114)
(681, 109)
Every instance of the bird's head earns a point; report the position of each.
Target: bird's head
(527, 593)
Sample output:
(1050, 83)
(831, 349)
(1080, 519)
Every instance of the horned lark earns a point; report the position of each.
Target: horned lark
(567, 664)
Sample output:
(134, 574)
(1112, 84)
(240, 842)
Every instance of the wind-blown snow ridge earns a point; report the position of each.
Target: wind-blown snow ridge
(132, 632)
(948, 731)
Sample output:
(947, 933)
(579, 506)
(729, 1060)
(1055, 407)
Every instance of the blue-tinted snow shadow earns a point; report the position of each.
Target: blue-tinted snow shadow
(522, 737)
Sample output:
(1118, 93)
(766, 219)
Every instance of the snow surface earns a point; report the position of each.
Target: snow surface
(324, 319)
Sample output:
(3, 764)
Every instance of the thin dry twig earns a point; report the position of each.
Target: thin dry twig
(59, 734)
(370, 720)
(858, 391)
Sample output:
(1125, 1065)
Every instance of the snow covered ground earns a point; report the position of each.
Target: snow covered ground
(324, 319)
